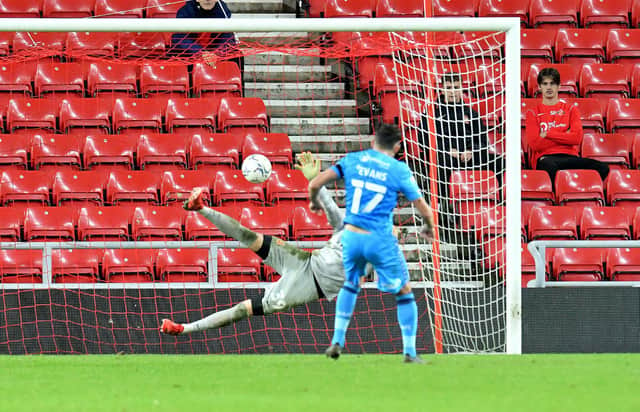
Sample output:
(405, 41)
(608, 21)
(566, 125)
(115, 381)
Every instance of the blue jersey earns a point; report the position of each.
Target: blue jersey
(372, 182)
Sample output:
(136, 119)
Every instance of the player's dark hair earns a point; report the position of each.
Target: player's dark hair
(451, 78)
(554, 74)
(387, 135)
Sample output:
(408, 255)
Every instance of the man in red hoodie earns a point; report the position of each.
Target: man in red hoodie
(554, 131)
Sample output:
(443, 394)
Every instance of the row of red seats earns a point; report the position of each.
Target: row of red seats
(88, 8)
(125, 186)
(42, 78)
(140, 150)
(111, 113)
(132, 266)
(153, 223)
(585, 264)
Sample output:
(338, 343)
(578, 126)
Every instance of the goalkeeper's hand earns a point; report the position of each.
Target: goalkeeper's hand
(308, 165)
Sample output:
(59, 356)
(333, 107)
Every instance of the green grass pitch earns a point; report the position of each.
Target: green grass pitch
(313, 383)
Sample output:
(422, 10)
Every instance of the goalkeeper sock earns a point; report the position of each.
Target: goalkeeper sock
(345, 304)
(218, 319)
(408, 320)
(229, 226)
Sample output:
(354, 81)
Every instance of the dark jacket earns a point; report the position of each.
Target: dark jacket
(186, 44)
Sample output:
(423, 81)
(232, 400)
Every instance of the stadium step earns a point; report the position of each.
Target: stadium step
(261, 6)
(307, 108)
(294, 91)
(276, 38)
(263, 15)
(287, 73)
(339, 144)
(320, 126)
(305, 57)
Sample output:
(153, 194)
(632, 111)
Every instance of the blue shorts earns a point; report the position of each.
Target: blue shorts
(382, 251)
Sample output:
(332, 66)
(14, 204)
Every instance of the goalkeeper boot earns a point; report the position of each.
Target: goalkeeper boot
(195, 201)
(170, 327)
(333, 351)
(413, 359)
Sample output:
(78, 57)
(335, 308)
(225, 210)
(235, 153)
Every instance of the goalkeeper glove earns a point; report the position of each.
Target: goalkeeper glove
(309, 166)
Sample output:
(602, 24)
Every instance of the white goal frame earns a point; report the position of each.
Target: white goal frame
(509, 25)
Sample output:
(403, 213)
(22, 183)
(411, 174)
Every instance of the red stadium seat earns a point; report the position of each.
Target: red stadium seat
(162, 9)
(635, 221)
(107, 152)
(192, 112)
(182, 265)
(400, 8)
(112, 78)
(27, 113)
(489, 223)
(20, 266)
(238, 265)
(479, 47)
(222, 79)
(579, 46)
(623, 264)
(231, 186)
(623, 46)
(157, 78)
(552, 223)
(451, 8)
(197, 227)
(537, 46)
(554, 13)
(67, 8)
(158, 151)
(568, 79)
(128, 265)
(16, 79)
(50, 44)
(607, 14)
(272, 221)
(119, 8)
(578, 264)
(623, 115)
(635, 150)
(214, 149)
(285, 185)
(156, 223)
(76, 265)
(635, 13)
(176, 186)
(52, 151)
(603, 80)
(83, 44)
(505, 8)
(11, 221)
(604, 223)
(411, 107)
(141, 45)
(473, 185)
(97, 223)
(579, 187)
(306, 225)
(536, 186)
(242, 112)
(366, 69)
(133, 186)
(591, 113)
(20, 8)
(275, 146)
(71, 186)
(133, 113)
(528, 266)
(623, 187)
(612, 149)
(344, 8)
(14, 151)
(635, 80)
(49, 224)
(25, 187)
(87, 114)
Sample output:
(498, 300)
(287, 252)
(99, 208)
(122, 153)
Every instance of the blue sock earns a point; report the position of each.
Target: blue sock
(345, 304)
(408, 320)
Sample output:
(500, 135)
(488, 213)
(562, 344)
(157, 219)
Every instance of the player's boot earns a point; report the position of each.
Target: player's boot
(195, 201)
(413, 359)
(170, 327)
(333, 351)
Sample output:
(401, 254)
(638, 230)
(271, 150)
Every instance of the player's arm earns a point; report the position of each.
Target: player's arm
(410, 190)
(310, 167)
(318, 182)
(573, 134)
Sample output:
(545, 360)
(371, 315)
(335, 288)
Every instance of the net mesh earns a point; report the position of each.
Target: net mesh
(106, 133)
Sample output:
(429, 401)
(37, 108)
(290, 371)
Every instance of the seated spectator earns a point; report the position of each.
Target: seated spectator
(553, 131)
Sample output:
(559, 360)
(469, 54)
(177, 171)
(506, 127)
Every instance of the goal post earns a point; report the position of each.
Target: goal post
(492, 292)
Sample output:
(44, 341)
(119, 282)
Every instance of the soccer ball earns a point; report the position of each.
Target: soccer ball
(256, 168)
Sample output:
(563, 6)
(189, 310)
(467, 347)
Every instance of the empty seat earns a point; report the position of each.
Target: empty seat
(344, 8)
(182, 265)
(119, 8)
(579, 187)
(612, 149)
(238, 265)
(132, 113)
(623, 264)
(76, 265)
(192, 112)
(604, 223)
(51, 44)
(591, 113)
(623, 115)
(635, 13)
(275, 146)
(214, 149)
(49, 224)
(366, 69)
(164, 78)
(112, 78)
(409, 105)
(635, 81)
(176, 186)
(459, 8)
(197, 227)
(222, 79)
(242, 112)
(623, 187)
(141, 45)
(400, 8)
(579, 46)
(25, 187)
(14, 150)
(536, 186)
(71, 186)
(603, 80)
(156, 223)
(473, 185)
(608, 14)
(156, 9)
(528, 266)
(54, 150)
(306, 225)
(20, 266)
(505, 8)
(88, 114)
(98, 223)
(555, 13)
(86, 44)
(128, 265)
(16, 79)
(11, 221)
(67, 8)
(27, 113)
(568, 79)
(133, 186)
(107, 152)
(20, 8)
(552, 223)
(158, 151)
(285, 185)
(623, 45)
(231, 186)
(272, 221)
(578, 264)
(537, 45)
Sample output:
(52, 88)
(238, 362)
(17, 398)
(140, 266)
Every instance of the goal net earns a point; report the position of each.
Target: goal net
(107, 132)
